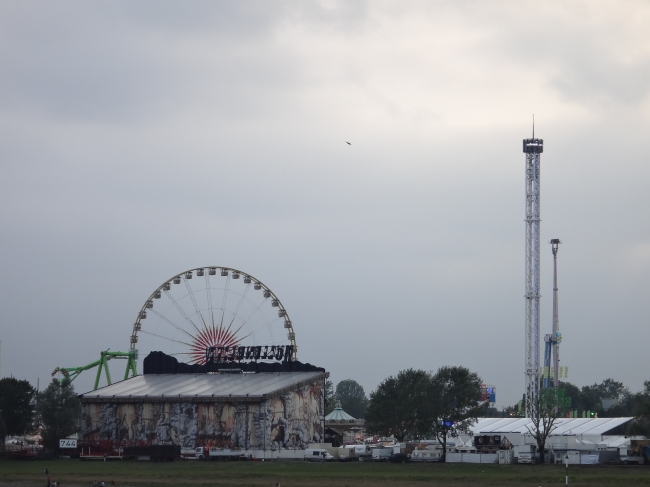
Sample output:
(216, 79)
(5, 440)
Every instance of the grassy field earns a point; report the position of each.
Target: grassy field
(265, 474)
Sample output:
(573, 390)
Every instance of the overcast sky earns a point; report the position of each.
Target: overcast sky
(141, 139)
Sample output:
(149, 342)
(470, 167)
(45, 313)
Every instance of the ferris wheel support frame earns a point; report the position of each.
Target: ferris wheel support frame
(167, 285)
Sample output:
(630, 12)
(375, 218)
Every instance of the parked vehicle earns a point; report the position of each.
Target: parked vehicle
(318, 455)
(526, 458)
(198, 453)
(347, 453)
(362, 452)
(399, 458)
(225, 454)
(381, 454)
(636, 452)
(154, 453)
(426, 455)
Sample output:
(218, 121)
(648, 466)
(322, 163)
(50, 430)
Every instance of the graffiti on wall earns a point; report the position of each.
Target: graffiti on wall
(289, 421)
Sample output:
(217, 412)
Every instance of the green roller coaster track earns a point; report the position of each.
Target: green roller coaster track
(71, 373)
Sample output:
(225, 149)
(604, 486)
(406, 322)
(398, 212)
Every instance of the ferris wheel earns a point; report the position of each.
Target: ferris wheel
(210, 307)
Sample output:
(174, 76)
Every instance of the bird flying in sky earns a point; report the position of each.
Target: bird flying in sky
(347, 142)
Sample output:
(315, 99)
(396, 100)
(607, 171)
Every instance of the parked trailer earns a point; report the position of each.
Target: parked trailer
(346, 453)
(225, 454)
(426, 456)
(362, 452)
(636, 452)
(154, 453)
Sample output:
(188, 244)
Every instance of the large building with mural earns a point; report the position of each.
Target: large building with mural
(250, 407)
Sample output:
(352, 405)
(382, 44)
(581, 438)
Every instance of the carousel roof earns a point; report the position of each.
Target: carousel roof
(339, 415)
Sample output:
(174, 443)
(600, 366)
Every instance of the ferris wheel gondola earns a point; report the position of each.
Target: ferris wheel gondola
(211, 307)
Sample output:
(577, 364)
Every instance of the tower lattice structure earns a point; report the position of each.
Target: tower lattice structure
(557, 336)
(533, 149)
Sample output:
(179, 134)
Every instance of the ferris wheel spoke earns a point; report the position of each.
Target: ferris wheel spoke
(234, 333)
(261, 327)
(243, 296)
(225, 336)
(252, 313)
(225, 297)
(170, 322)
(209, 292)
(164, 338)
(180, 310)
(196, 306)
(241, 299)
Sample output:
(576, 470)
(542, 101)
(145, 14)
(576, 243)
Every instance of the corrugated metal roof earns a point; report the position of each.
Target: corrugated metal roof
(186, 387)
(565, 426)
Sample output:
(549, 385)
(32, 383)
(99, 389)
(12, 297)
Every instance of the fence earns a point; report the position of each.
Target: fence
(472, 458)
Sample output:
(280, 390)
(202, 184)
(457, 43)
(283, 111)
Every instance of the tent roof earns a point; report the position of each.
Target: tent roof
(200, 387)
(565, 426)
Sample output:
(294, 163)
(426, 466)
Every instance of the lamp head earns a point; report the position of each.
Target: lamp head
(555, 243)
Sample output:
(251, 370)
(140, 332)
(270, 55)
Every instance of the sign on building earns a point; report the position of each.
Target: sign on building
(68, 443)
(487, 440)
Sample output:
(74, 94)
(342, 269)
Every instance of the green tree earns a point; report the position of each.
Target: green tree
(59, 410)
(352, 398)
(454, 401)
(3, 433)
(17, 405)
(488, 411)
(589, 398)
(623, 409)
(641, 410)
(574, 393)
(400, 405)
(610, 388)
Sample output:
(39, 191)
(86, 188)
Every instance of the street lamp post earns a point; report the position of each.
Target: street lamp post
(566, 469)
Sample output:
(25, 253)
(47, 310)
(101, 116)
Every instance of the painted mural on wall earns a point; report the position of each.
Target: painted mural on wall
(289, 421)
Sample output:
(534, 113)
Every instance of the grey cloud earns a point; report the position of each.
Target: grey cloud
(139, 140)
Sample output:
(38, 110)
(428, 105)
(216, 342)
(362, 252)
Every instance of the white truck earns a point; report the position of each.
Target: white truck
(198, 453)
(381, 454)
(318, 455)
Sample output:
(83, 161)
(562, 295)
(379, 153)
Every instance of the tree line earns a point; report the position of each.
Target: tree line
(56, 411)
(607, 399)
(416, 404)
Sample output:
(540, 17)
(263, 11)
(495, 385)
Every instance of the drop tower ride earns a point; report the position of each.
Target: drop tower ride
(533, 149)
